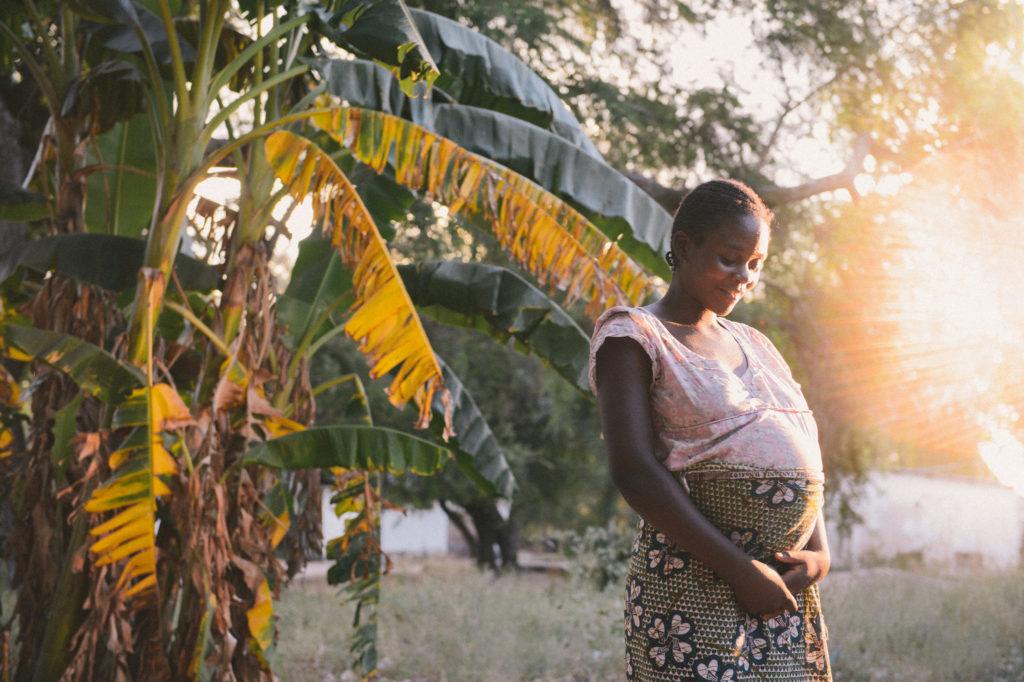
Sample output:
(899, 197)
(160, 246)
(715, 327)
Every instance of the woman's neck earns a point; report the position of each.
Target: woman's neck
(679, 307)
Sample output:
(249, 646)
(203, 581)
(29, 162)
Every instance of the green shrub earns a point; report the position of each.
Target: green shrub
(600, 555)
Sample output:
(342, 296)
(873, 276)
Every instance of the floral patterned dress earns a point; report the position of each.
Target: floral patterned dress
(745, 448)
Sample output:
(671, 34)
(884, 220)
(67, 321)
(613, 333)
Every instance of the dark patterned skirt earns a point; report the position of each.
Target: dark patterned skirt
(682, 621)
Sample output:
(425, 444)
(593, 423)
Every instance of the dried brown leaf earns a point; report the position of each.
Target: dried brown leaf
(86, 444)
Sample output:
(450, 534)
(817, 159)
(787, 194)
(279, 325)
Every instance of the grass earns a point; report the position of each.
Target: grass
(451, 622)
(894, 625)
(443, 620)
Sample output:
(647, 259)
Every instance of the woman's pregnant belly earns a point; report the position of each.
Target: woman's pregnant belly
(760, 513)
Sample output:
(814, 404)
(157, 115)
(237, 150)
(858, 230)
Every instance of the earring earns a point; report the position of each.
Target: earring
(670, 258)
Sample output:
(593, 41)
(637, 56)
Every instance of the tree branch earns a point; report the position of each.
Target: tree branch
(774, 195)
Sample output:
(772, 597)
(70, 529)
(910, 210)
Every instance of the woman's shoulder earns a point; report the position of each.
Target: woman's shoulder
(626, 322)
(624, 312)
(622, 317)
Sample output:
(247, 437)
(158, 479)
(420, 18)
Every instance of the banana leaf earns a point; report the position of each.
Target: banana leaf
(623, 211)
(382, 319)
(352, 446)
(108, 261)
(367, 84)
(480, 72)
(382, 30)
(318, 278)
(17, 204)
(501, 303)
(121, 197)
(476, 449)
(111, 91)
(136, 482)
(112, 24)
(94, 370)
(616, 205)
(559, 245)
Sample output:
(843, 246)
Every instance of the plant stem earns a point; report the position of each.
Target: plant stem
(324, 338)
(200, 325)
(337, 381)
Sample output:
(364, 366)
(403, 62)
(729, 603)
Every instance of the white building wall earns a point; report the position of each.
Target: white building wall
(937, 521)
(418, 531)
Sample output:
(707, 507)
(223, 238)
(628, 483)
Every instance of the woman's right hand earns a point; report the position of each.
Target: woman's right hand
(761, 591)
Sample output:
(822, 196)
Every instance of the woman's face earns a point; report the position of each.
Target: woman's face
(725, 265)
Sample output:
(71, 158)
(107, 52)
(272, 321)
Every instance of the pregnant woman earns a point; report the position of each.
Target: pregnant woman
(710, 440)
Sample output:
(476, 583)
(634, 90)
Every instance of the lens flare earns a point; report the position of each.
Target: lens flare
(925, 331)
(1003, 452)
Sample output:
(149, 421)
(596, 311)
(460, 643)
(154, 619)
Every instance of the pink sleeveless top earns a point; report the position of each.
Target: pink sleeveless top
(703, 411)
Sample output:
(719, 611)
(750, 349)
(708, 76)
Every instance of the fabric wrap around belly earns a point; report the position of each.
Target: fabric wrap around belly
(682, 620)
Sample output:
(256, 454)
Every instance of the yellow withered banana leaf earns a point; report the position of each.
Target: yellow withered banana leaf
(383, 320)
(546, 236)
(135, 485)
(260, 618)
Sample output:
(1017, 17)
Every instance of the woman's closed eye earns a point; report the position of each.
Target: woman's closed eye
(732, 262)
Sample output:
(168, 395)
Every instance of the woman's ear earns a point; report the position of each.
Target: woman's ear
(682, 245)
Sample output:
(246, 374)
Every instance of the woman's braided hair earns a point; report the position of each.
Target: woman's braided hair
(706, 204)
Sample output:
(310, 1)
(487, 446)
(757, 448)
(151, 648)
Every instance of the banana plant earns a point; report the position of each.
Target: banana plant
(177, 424)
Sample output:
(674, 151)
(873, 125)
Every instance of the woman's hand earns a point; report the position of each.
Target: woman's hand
(763, 592)
(804, 568)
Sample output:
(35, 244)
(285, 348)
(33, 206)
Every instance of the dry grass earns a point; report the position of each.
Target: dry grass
(443, 620)
(448, 621)
(893, 625)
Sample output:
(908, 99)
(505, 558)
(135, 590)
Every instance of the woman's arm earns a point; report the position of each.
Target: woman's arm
(810, 564)
(623, 376)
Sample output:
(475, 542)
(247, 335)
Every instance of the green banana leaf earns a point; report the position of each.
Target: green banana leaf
(95, 371)
(64, 430)
(318, 279)
(364, 83)
(107, 261)
(112, 24)
(121, 198)
(17, 204)
(382, 30)
(371, 448)
(501, 303)
(623, 211)
(111, 91)
(476, 450)
(477, 71)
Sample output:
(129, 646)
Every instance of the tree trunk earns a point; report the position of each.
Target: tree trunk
(508, 542)
(486, 520)
(460, 524)
(491, 530)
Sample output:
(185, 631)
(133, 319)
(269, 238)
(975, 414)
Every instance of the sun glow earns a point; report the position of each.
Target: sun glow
(928, 340)
(1003, 452)
(293, 220)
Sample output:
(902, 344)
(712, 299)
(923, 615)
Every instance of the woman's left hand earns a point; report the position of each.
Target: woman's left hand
(804, 568)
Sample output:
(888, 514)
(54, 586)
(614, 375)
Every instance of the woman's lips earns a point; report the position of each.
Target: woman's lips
(734, 295)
